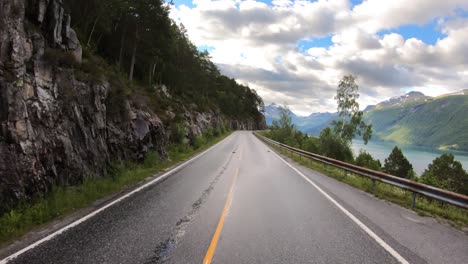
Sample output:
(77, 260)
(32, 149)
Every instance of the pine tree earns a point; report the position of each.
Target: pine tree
(398, 165)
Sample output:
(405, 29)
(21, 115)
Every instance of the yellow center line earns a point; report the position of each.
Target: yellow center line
(214, 241)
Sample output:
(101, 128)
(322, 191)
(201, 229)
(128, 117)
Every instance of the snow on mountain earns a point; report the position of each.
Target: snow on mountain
(312, 124)
(315, 122)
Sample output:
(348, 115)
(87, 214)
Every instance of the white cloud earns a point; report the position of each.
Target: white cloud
(374, 15)
(256, 44)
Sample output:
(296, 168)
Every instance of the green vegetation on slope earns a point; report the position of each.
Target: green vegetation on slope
(62, 201)
(140, 41)
(441, 122)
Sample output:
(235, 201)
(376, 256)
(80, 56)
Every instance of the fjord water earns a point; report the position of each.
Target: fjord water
(420, 157)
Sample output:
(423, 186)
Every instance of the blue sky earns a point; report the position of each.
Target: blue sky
(428, 33)
(182, 2)
(304, 45)
(296, 52)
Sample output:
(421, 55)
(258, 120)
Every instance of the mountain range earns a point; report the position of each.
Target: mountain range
(413, 118)
(312, 124)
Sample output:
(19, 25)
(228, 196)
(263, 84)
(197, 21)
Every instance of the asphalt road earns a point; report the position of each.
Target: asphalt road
(265, 210)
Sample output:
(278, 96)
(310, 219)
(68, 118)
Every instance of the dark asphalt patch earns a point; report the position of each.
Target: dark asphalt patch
(163, 250)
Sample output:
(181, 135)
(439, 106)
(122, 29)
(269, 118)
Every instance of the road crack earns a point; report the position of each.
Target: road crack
(163, 249)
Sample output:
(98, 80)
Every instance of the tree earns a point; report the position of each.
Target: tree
(147, 46)
(396, 164)
(311, 144)
(350, 123)
(285, 121)
(447, 173)
(283, 129)
(364, 159)
(334, 147)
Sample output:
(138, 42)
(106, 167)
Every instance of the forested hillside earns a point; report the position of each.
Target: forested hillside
(439, 122)
(145, 44)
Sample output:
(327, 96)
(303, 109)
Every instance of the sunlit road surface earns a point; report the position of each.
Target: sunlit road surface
(242, 203)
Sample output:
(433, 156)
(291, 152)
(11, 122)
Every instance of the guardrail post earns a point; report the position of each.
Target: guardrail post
(345, 172)
(300, 157)
(373, 185)
(413, 201)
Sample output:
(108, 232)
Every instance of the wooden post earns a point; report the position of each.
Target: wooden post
(413, 201)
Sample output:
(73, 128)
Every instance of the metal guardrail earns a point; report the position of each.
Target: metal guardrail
(453, 198)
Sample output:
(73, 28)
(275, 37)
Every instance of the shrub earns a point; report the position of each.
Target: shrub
(311, 144)
(447, 173)
(364, 159)
(96, 68)
(199, 141)
(60, 57)
(219, 129)
(208, 133)
(115, 102)
(334, 147)
(151, 158)
(178, 132)
(216, 131)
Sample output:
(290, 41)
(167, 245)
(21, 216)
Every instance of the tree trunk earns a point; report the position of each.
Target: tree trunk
(152, 71)
(132, 63)
(122, 43)
(150, 76)
(98, 40)
(92, 31)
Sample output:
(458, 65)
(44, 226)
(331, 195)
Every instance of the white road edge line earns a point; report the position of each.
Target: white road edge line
(380, 241)
(81, 220)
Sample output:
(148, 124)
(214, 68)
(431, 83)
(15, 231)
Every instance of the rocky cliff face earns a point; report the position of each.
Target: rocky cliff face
(54, 128)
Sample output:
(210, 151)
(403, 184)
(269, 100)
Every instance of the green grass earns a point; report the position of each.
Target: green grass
(455, 216)
(62, 201)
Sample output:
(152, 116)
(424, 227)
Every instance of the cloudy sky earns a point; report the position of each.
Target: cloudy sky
(295, 52)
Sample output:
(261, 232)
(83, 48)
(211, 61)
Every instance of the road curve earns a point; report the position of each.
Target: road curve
(242, 203)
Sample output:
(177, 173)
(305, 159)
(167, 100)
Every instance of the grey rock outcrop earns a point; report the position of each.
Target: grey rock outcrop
(54, 129)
